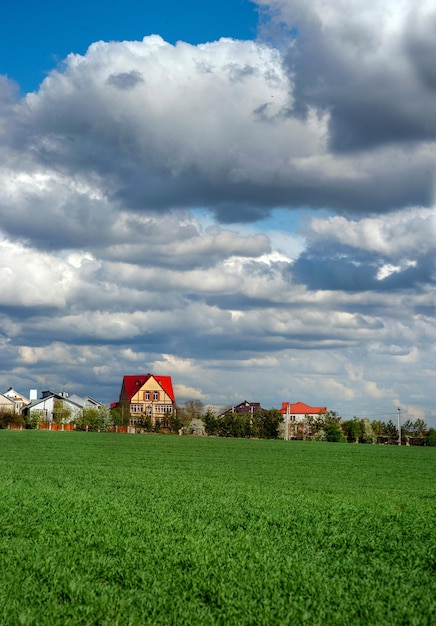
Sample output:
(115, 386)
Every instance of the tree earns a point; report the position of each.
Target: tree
(420, 430)
(379, 429)
(326, 426)
(407, 430)
(61, 412)
(30, 420)
(157, 425)
(174, 422)
(352, 430)
(105, 418)
(270, 423)
(211, 424)
(367, 434)
(431, 437)
(88, 419)
(391, 432)
(311, 425)
(333, 432)
(6, 417)
(143, 422)
(196, 427)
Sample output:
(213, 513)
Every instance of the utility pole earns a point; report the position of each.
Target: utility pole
(287, 422)
(399, 427)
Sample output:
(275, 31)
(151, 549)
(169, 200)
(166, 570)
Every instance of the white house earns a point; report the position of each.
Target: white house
(45, 407)
(18, 400)
(297, 413)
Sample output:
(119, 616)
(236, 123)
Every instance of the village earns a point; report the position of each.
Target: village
(147, 403)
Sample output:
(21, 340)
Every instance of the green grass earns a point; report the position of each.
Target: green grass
(122, 529)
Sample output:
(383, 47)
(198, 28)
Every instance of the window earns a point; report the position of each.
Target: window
(146, 395)
(155, 395)
(164, 408)
(136, 408)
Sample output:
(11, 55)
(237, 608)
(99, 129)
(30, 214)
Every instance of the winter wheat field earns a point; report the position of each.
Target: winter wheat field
(103, 528)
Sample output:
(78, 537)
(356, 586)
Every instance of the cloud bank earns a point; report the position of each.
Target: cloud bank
(150, 195)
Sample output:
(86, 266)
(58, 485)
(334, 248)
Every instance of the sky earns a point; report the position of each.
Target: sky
(242, 198)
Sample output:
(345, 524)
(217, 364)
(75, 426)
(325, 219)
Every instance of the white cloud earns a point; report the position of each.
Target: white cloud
(184, 393)
(405, 233)
(105, 270)
(27, 277)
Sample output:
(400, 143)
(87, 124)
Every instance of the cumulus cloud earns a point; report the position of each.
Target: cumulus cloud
(368, 64)
(370, 254)
(150, 127)
(106, 267)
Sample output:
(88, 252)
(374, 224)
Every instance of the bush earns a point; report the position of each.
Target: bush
(333, 432)
(431, 437)
(5, 418)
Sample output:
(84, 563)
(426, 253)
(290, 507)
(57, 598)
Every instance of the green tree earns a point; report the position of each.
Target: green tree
(367, 434)
(391, 432)
(30, 420)
(407, 431)
(431, 437)
(379, 429)
(105, 418)
(210, 422)
(88, 419)
(157, 425)
(333, 432)
(352, 430)
(174, 422)
(420, 430)
(327, 427)
(120, 417)
(271, 420)
(6, 417)
(311, 426)
(61, 412)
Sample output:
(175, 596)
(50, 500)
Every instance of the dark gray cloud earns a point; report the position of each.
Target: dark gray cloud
(369, 65)
(344, 272)
(372, 254)
(125, 80)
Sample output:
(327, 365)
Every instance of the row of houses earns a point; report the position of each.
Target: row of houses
(295, 415)
(148, 396)
(44, 408)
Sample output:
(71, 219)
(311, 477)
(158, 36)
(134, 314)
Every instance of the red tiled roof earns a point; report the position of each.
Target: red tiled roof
(131, 384)
(299, 408)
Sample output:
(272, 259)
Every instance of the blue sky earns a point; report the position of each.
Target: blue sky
(253, 216)
(36, 36)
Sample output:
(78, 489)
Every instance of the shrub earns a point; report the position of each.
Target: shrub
(431, 437)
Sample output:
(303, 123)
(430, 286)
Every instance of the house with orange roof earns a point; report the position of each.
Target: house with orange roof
(296, 415)
(147, 396)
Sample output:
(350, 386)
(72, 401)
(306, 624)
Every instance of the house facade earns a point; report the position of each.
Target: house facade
(18, 399)
(7, 405)
(295, 417)
(147, 396)
(59, 408)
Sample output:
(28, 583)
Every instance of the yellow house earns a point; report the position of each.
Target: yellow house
(147, 396)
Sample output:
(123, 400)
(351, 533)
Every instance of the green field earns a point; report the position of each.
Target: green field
(123, 529)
